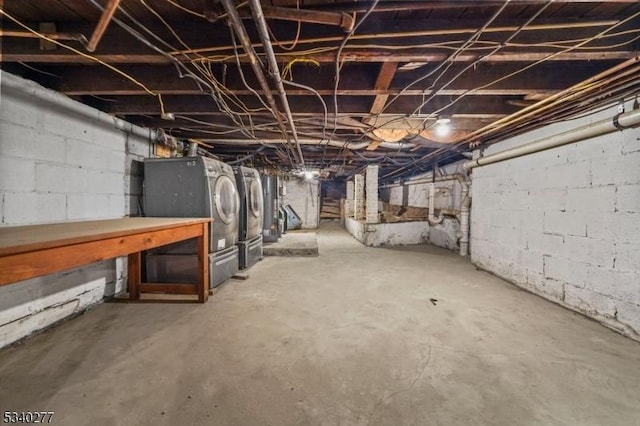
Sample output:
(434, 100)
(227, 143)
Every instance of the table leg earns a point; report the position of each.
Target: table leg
(134, 275)
(203, 264)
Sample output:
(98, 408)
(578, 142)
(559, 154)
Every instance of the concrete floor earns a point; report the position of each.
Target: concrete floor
(347, 338)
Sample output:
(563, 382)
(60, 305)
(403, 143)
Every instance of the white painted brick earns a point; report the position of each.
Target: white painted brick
(548, 158)
(620, 285)
(598, 199)
(116, 205)
(629, 314)
(87, 206)
(589, 302)
(515, 200)
(533, 261)
(565, 223)
(528, 220)
(624, 169)
(548, 199)
(590, 250)
(595, 148)
(631, 141)
(17, 175)
(628, 256)
(566, 270)
(138, 149)
(92, 156)
(61, 179)
(102, 182)
(578, 175)
(628, 198)
(618, 227)
(547, 287)
(29, 143)
(31, 207)
(547, 244)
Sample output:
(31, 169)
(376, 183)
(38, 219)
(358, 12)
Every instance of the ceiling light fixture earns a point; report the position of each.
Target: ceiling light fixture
(443, 126)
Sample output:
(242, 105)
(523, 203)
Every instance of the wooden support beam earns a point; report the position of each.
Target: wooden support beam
(385, 76)
(10, 55)
(101, 27)
(340, 19)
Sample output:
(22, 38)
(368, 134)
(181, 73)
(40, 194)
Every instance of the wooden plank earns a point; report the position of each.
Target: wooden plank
(350, 56)
(134, 273)
(387, 71)
(203, 264)
(24, 265)
(169, 288)
(20, 239)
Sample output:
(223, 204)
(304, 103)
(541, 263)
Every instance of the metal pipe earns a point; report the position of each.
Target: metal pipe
(193, 149)
(341, 19)
(313, 141)
(599, 128)
(548, 102)
(101, 27)
(433, 219)
(261, 25)
(236, 23)
(465, 204)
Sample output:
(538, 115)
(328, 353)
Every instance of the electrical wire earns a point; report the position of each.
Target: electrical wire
(39, 71)
(338, 66)
(213, 85)
(183, 71)
(295, 41)
(597, 36)
(448, 62)
(184, 9)
(86, 56)
(474, 63)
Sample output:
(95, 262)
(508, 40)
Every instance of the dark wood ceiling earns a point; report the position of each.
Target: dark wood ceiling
(494, 68)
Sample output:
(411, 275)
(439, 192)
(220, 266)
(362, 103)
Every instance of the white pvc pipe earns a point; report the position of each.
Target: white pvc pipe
(465, 204)
(599, 128)
(433, 219)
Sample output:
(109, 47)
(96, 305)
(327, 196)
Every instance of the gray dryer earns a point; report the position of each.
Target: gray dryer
(251, 215)
(193, 187)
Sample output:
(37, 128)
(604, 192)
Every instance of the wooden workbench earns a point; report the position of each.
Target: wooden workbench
(35, 250)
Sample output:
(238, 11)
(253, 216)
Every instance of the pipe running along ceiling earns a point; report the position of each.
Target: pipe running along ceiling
(331, 85)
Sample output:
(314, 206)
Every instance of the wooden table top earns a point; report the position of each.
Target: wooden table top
(21, 239)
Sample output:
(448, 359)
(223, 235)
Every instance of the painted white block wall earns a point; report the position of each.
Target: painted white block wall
(565, 223)
(371, 197)
(303, 195)
(61, 161)
(388, 234)
(447, 233)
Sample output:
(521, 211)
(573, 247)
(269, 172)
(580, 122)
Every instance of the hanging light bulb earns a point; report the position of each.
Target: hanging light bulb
(443, 127)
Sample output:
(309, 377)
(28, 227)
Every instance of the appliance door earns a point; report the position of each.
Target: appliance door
(255, 208)
(225, 208)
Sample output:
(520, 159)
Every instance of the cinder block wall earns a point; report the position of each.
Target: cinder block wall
(61, 161)
(304, 198)
(565, 223)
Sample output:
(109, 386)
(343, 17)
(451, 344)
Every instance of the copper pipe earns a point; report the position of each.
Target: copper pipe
(561, 96)
(101, 27)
